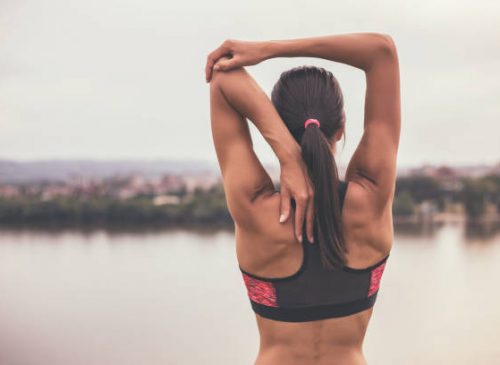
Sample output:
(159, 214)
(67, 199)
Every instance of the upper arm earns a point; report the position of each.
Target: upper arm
(243, 175)
(373, 164)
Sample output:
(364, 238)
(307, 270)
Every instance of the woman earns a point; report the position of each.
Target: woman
(313, 296)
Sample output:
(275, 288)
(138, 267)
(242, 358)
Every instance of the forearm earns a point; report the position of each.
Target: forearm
(361, 50)
(244, 94)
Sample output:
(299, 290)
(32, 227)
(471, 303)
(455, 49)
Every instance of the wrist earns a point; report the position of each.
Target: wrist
(290, 153)
(270, 49)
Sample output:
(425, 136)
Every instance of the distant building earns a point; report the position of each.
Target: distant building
(426, 211)
(204, 181)
(166, 199)
(448, 178)
(9, 191)
(52, 191)
(495, 170)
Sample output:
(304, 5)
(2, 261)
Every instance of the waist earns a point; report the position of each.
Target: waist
(310, 355)
(323, 338)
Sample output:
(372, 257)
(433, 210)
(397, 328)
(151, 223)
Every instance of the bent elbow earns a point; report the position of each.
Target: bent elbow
(387, 45)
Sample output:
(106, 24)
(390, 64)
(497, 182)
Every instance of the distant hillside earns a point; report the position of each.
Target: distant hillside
(61, 170)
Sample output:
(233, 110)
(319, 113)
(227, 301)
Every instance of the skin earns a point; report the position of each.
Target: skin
(269, 248)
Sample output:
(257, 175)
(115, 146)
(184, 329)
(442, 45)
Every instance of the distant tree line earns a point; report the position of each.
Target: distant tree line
(204, 207)
(473, 194)
(208, 207)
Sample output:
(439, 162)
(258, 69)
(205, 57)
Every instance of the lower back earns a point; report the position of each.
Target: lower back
(329, 341)
(290, 356)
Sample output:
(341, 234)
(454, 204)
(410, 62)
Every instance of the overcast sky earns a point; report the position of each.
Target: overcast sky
(125, 79)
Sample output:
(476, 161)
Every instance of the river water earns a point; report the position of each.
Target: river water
(101, 297)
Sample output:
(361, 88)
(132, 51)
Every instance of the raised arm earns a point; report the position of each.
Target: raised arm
(373, 164)
(234, 97)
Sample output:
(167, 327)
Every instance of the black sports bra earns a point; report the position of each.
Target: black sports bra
(314, 292)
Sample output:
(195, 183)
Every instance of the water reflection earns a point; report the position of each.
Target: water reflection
(424, 229)
(486, 233)
(162, 296)
(473, 231)
(115, 230)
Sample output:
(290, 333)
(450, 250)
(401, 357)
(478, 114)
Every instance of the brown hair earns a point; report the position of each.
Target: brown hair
(312, 92)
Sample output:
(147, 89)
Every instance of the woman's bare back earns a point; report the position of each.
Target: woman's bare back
(272, 251)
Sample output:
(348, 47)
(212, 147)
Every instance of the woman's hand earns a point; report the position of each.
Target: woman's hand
(238, 53)
(295, 183)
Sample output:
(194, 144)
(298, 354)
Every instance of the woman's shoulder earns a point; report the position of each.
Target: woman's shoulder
(265, 213)
(364, 196)
(367, 216)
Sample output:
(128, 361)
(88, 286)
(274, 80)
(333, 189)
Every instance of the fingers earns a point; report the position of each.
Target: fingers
(226, 64)
(285, 204)
(208, 67)
(310, 219)
(213, 57)
(301, 205)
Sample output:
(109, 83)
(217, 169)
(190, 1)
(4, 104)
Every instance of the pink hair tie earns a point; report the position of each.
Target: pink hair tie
(311, 121)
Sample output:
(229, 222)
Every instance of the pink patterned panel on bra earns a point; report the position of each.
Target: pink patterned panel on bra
(376, 276)
(260, 291)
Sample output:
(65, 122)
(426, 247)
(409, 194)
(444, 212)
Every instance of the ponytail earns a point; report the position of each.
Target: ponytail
(300, 93)
(323, 172)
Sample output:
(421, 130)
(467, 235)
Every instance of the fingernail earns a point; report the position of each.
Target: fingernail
(311, 239)
(300, 238)
(282, 218)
